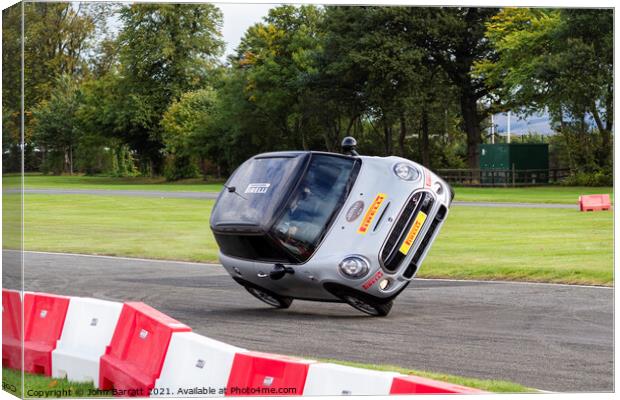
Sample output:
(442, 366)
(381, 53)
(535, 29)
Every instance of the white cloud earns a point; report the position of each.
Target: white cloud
(237, 19)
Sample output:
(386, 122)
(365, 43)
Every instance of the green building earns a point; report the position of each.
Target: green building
(518, 163)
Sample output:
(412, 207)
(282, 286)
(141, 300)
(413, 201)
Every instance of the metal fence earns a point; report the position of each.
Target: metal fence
(502, 177)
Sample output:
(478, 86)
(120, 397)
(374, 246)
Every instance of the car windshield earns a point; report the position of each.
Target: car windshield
(315, 202)
(256, 190)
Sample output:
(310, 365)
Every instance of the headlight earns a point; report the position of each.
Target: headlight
(406, 172)
(438, 188)
(353, 267)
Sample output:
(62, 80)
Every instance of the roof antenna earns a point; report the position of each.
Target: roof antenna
(348, 146)
(233, 189)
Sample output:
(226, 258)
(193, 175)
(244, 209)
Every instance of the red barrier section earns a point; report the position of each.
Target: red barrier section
(11, 329)
(417, 385)
(594, 202)
(133, 360)
(262, 374)
(44, 317)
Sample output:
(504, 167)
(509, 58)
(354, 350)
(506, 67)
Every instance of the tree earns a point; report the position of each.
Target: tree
(188, 133)
(454, 38)
(374, 64)
(276, 60)
(58, 40)
(56, 126)
(165, 51)
(560, 60)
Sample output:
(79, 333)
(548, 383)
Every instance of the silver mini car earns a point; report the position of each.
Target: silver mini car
(328, 227)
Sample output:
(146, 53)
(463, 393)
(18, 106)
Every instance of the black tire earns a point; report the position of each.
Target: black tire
(269, 297)
(367, 307)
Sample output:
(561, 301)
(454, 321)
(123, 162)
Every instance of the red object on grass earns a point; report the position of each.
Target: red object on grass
(44, 317)
(11, 329)
(594, 202)
(134, 359)
(418, 385)
(263, 374)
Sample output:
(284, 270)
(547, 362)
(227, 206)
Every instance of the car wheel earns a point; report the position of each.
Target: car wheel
(270, 298)
(374, 309)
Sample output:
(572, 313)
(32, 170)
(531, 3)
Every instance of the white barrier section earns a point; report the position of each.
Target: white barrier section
(195, 366)
(338, 380)
(88, 329)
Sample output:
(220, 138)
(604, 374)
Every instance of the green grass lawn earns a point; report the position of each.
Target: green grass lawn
(543, 194)
(547, 245)
(528, 244)
(38, 386)
(176, 229)
(536, 194)
(489, 385)
(38, 181)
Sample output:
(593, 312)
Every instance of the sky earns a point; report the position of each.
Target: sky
(237, 19)
(537, 123)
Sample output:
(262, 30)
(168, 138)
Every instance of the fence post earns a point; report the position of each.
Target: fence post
(513, 175)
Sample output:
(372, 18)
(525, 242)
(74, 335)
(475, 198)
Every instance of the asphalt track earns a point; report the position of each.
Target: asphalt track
(213, 195)
(550, 337)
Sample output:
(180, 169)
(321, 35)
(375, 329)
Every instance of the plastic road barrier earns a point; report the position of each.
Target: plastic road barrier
(409, 384)
(338, 380)
(136, 350)
(44, 317)
(594, 202)
(195, 366)
(11, 329)
(133, 360)
(89, 326)
(262, 374)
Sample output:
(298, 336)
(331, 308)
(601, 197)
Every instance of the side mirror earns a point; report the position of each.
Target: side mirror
(348, 146)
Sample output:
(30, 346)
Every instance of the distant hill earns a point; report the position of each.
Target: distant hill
(519, 125)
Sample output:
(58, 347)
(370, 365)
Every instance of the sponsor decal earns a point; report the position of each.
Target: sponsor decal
(427, 178)
(257, 188)
(371, 213)
(413, 233)
(355, 211)
(375, 278)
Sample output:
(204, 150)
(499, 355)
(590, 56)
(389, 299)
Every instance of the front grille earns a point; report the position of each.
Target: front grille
(391, 257)
(414, 264)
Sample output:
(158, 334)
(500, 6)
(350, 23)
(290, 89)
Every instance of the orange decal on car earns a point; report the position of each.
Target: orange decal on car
(413, 233)
(371, 213)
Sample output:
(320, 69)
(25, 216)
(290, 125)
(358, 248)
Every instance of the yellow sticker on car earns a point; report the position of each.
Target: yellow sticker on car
(413, 233)
(371, 213)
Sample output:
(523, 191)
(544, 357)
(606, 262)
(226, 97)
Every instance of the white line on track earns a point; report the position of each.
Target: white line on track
(151, 260)
(217, 265)
(517, 283)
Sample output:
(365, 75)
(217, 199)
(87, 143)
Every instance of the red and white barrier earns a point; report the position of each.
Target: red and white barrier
(133, 360)
(89, 326)
(193, 359)
(409, 384)
(338, 380)
(594, 202)
(11, 329)
(138, 351)
(263, 374)
(44, 317)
